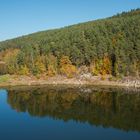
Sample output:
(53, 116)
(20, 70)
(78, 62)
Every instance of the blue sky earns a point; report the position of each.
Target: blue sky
(21, 17)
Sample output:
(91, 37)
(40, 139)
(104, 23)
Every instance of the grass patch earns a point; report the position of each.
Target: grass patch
(4, 78)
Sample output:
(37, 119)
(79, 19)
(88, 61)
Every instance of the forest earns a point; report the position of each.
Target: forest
(109, 46)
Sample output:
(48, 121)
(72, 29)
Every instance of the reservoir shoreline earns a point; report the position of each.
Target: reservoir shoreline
(14, 80)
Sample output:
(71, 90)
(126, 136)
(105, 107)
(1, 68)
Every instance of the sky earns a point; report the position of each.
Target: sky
(21, 17)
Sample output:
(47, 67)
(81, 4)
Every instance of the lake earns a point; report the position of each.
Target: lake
(68, 113)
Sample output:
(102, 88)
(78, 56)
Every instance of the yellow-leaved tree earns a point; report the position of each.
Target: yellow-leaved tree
(101, 67)
(66, 67)
(51, 65)
(24, 70)
(10, 59)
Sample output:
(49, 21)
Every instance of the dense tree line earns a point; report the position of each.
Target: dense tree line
(107, 46)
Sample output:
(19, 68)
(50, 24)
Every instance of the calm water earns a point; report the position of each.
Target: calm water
(69, 114)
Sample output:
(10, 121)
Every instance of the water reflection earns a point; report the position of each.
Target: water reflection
(115, 108)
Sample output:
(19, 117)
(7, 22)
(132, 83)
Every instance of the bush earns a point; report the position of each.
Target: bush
(4, 78)
(39, 68)
(24, 70)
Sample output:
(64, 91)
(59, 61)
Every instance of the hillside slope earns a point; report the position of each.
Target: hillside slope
(107, 46)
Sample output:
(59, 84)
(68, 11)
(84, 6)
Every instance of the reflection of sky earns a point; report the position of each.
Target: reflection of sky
(21, 126)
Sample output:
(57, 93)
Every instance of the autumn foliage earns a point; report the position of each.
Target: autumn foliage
(66, 67)
(101, 67)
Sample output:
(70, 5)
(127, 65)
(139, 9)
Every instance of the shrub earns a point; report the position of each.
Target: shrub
(4, 78)
(24, 70)
(39, 68)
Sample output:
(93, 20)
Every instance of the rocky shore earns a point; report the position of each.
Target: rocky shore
(14, 80)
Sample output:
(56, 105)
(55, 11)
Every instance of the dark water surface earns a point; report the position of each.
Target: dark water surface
(62, 113)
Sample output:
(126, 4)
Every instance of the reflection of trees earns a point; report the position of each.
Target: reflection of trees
(110, 109)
